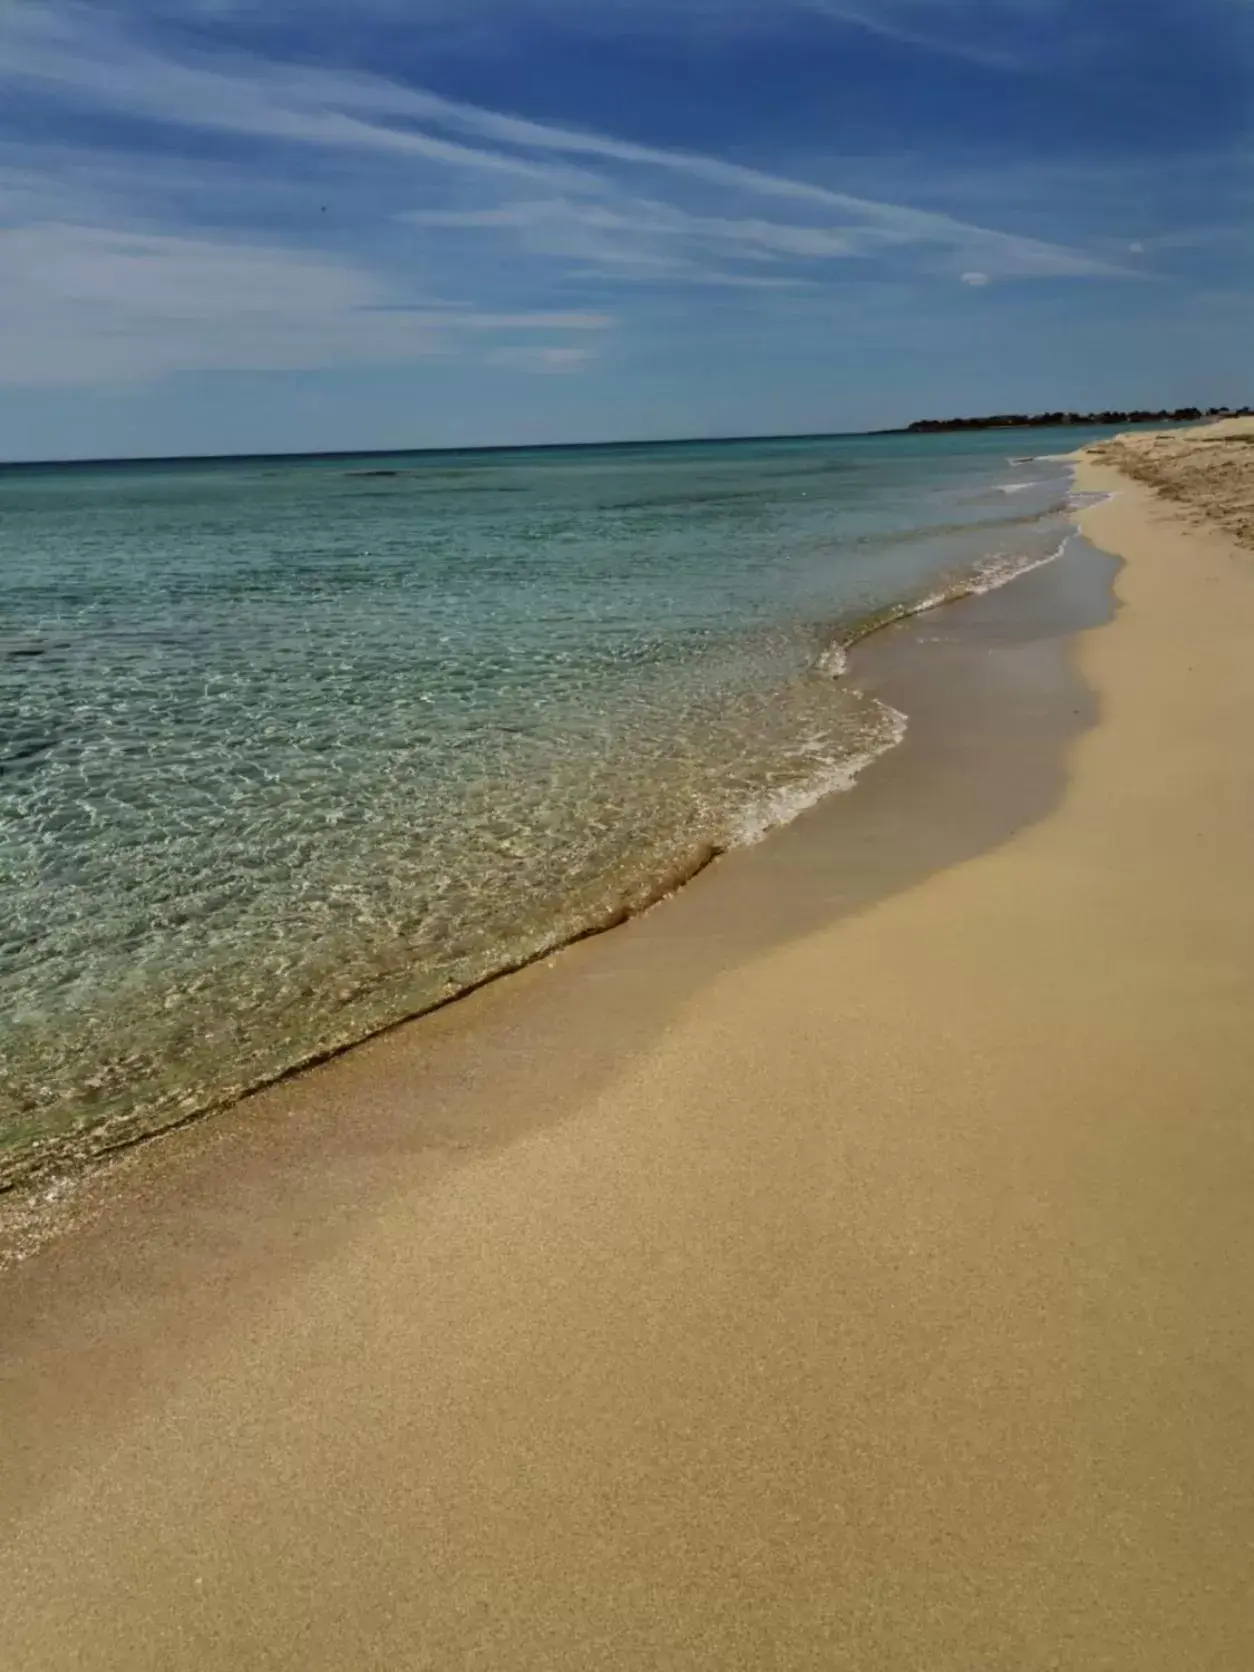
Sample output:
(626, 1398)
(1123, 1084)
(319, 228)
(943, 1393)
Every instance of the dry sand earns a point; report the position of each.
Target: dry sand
(1207, 471)
(894, 1310)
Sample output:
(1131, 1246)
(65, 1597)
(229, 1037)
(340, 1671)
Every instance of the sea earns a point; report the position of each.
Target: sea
(293, 748)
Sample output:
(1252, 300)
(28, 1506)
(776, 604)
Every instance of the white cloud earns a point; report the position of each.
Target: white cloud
(69, 48)
(983, 32)
(975, 278)
(865, 224)
(105, 279)
(543, 357)
(85, 305)
(637, 238)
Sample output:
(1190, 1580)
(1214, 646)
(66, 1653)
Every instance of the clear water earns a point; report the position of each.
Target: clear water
(290, 749)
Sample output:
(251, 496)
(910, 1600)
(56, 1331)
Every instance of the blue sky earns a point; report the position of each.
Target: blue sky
(367, 223)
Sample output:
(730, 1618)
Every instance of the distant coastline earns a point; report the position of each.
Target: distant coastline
(1043, 420)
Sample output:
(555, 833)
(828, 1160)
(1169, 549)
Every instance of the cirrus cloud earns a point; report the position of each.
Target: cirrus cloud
(89, 305)
(141, 258)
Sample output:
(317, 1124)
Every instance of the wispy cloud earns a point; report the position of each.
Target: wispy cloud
(643, 235)
(864, 225)
(550, 358)
(643, 240)
(86, 305)
(124, 263)
(983, 32)
(66, 49)
(69, 53)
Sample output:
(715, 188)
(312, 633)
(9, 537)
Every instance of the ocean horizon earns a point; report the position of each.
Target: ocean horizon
(337, 455)
(1089, 427)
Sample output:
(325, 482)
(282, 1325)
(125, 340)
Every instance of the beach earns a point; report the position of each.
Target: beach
(300, 749)
(847, 1264)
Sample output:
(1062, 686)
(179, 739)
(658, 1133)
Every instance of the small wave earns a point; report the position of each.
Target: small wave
(1079, 501)
(1016, 487)
(899, 538)
(834, 661)
(784, 805)
(1000, 571)
(987, 576)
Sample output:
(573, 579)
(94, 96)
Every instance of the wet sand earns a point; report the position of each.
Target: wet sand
(847, 1264)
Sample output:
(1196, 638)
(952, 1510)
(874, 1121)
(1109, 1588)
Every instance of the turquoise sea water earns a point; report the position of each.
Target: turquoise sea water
(292, 748)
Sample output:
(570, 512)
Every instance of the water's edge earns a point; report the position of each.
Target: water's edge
(51, 1161)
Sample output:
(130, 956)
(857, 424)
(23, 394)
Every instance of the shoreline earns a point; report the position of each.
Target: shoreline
(938, 658)
(879, 1296)
(996, 701)
(61, 1160)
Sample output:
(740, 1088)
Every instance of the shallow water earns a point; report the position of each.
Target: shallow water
(290, 749)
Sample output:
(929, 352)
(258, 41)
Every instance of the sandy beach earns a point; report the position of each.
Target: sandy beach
(876, 1294)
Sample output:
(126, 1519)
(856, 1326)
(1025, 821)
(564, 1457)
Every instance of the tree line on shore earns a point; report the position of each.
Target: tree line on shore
(1042, 420)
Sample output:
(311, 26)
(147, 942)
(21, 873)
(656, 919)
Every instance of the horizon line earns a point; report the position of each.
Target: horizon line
(915, 427)
(426, 452)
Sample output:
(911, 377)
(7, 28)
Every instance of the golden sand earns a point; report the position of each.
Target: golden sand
(1207, 471)
(895, 1310)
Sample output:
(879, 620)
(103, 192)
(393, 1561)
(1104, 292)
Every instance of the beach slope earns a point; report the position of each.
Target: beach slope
(895, 1309)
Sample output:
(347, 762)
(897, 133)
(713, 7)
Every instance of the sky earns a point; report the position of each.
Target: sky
(232, 226)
